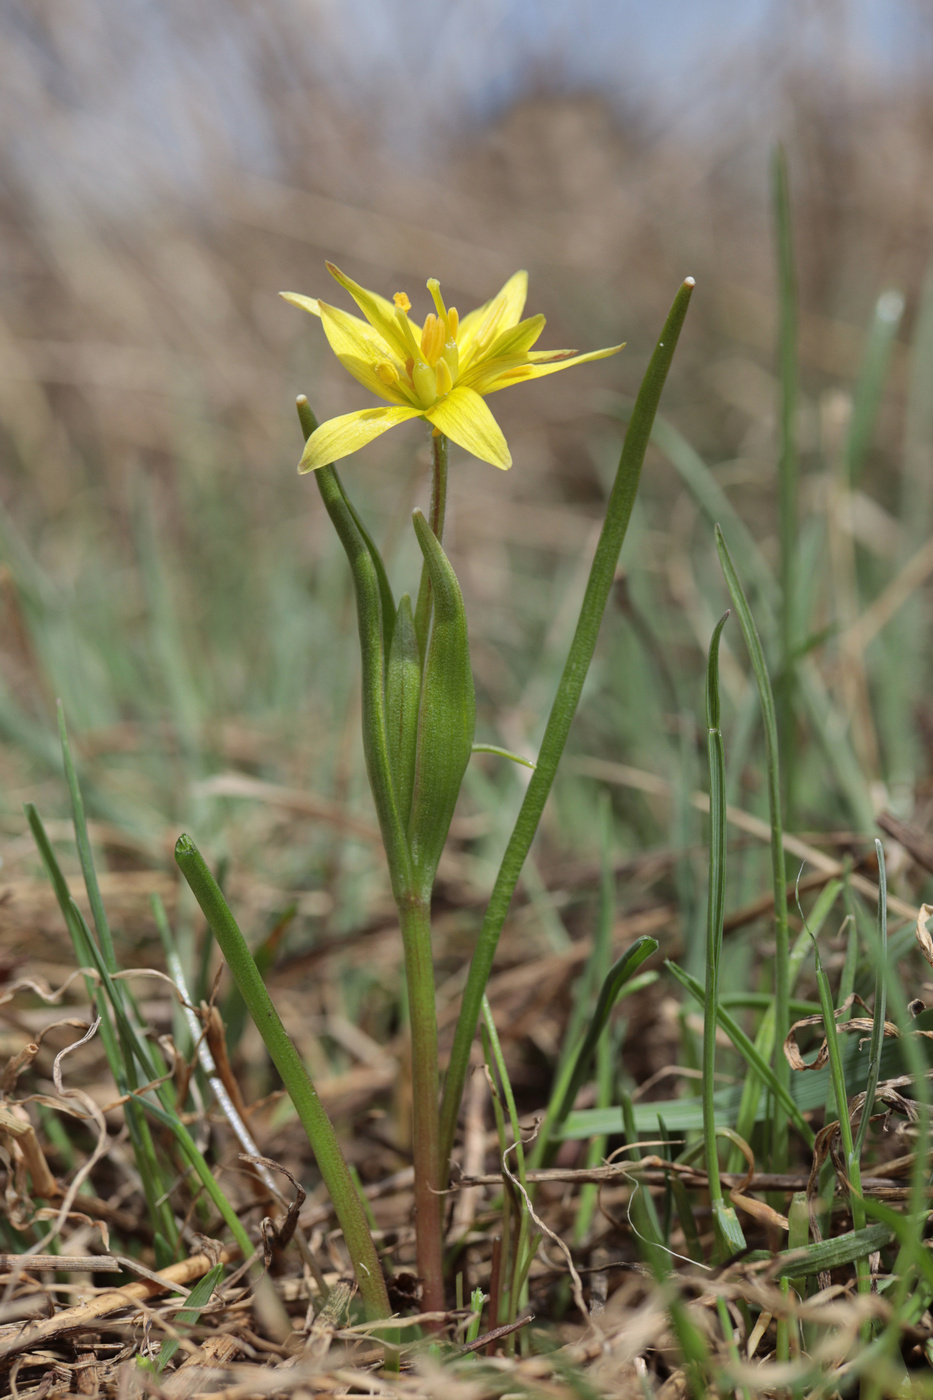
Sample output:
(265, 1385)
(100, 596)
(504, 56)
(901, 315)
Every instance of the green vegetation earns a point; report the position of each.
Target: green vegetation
(416, 992)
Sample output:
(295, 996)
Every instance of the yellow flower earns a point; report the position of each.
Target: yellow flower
(441, 371)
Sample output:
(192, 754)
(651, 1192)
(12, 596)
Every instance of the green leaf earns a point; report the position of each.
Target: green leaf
(748, 1050)
(373, 599)
(447, 714)
(621, 972)
(833, 1254)
(598, 588)
(403, 692)
(311, 1112)
(197, 1299)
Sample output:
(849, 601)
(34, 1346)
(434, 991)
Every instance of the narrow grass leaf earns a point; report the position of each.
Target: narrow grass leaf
(748, 1051)
(599, 585)
(876, 360)
(91, 883)
(879, 1005)
(834, 1254)
(778, 870)
(291, 1067)
(621, 973)
(197, 1299)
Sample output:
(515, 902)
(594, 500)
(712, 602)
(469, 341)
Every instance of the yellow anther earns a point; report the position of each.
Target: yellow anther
(453, 322)
(445, 380)
(387, 373)
(427, 332)
(401, 301)
(432, 338)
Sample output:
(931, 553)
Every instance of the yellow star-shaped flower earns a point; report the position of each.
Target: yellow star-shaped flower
(441, 371)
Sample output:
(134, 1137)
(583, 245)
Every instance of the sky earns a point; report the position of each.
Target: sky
(133, 85)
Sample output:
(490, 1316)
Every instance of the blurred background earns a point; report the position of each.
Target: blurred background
(167, 168)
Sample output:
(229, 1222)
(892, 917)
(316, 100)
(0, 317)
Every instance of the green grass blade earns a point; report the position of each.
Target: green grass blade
(174, 670)
(599, 585)
(837, 1075)
(787, 450)
(311, 1112)
(749, 1053)
(622, 972)
(764, 1039)
(845, 1249)
(810, 1091)
(716, 508)
(882, 333)
(730, 1234)
(197, 1299)
(119, 1057)
(525, 1245)
(83, 843)
(778, 869)
(879, 1005)
(598, 971)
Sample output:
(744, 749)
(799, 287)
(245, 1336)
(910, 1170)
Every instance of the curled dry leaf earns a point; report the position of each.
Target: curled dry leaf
(924, 939)
(858, 1023)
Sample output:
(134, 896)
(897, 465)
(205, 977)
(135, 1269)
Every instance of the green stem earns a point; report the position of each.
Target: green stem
(715, 909)
(787, 460)
(778, 867)
(301, 1091)
(730, 1238)
(840, 1093)
(599, 584)
(436, 516)
(415, 918)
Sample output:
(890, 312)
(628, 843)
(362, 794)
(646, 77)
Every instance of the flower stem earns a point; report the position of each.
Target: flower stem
(415, 918)
(436, 520)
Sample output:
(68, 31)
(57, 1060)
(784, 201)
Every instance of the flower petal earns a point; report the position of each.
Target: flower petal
(338, 437)
(359, 349)
(306, 303)
(378, 312)
(465, 419)
(480, 327)
(518, 339)
(536, 369)
(508, 351)
(485, 373)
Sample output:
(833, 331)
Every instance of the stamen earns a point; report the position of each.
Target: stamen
(422, 376)
(453, 321)
(387, 373)
(407, 331)
(401, 301)
(432, 338)
(427, 335)
(445, 381)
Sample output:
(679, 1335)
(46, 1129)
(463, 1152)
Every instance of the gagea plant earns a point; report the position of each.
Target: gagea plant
(418, 705)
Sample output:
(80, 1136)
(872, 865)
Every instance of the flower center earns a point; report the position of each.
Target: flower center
(432, 364)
